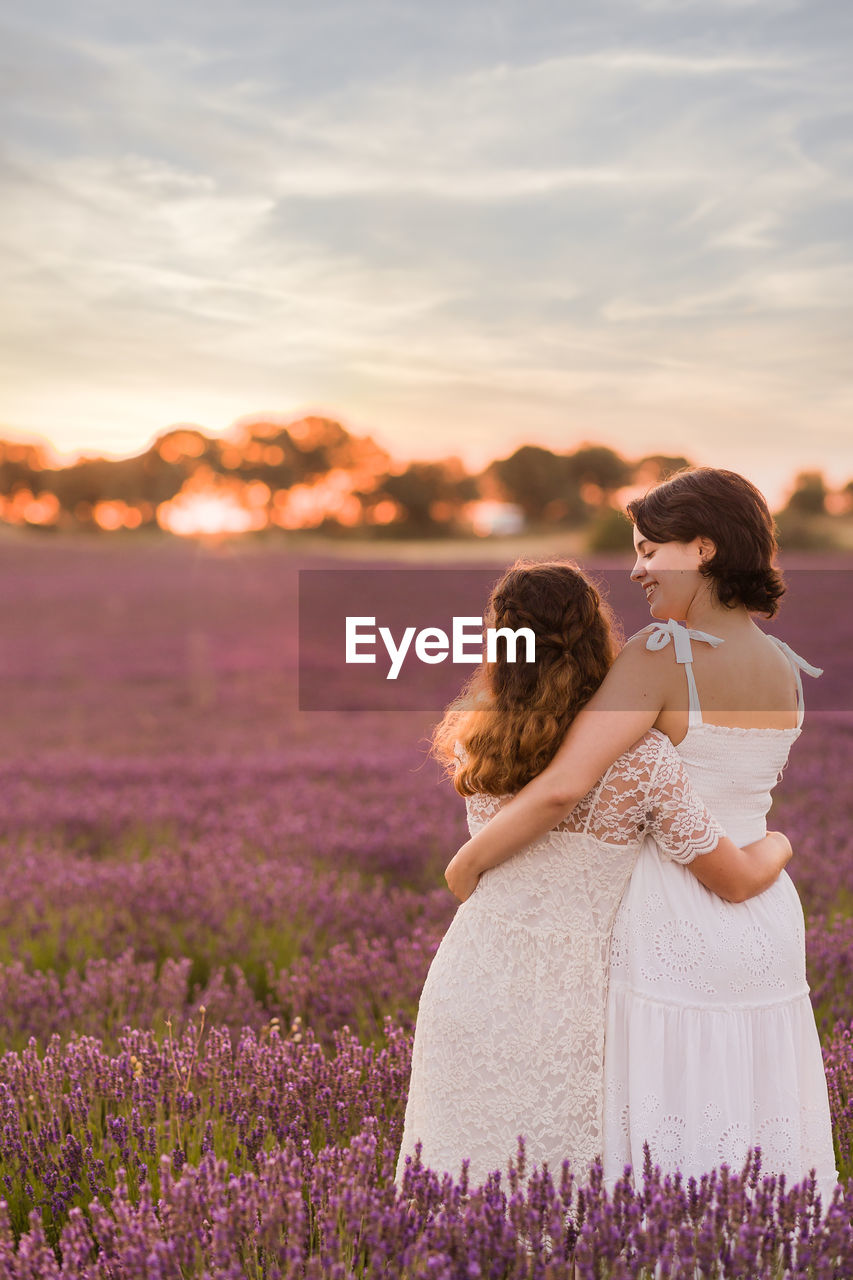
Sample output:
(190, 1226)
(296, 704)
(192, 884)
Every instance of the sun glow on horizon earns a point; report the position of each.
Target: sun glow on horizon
(208, 504)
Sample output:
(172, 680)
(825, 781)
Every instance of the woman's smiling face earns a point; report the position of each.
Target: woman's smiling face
(669, 574)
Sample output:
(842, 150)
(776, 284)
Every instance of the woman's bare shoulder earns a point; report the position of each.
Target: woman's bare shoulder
(638, 677)
(639, 638)
(635, 653)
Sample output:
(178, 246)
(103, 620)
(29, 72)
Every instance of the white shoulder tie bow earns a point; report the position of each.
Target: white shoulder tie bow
(681, 636)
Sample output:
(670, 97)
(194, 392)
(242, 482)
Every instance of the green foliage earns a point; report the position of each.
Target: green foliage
(609, 531)
(809, 496)
(798, 531)
(541, 483)
(430, 494)
(654, 467)
(596, 464)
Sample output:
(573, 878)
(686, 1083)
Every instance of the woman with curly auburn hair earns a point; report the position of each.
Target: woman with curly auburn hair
(711, 1042)
(510, 1031)
(513, 714)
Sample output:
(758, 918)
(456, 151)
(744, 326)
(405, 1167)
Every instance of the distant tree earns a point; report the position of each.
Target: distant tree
(274, 461)
(313, 446)
(597, 465)
(654, 467)
(809, 495)
(21, 467)
(539, 482)
(302, 452)
(799, 532)
(430, 494)
(159, 480)
(610, 530)
(185, 442)
(146, 478)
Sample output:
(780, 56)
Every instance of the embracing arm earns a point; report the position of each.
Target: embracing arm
(621, 710)
(737, 874)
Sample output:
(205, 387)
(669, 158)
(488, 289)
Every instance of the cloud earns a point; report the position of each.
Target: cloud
(491, 210)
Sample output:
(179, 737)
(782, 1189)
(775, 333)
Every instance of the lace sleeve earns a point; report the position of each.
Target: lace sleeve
(679, 820)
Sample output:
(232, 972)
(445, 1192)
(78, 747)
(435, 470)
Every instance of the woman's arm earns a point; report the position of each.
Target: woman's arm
(627, 703)
(737, 874)
(730, 872)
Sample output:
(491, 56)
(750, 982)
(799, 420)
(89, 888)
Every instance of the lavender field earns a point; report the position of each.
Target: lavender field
(217, 915)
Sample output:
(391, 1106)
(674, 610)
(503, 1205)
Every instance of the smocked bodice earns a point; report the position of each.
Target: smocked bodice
(735, 770)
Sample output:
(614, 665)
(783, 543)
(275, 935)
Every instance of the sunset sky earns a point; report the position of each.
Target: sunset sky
(456, 227)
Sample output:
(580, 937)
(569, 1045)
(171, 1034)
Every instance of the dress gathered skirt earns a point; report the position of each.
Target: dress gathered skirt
(711, 1040)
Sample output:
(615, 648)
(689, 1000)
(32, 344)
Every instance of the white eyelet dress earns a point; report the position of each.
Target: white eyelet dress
(509, 1038)
(711, 1045)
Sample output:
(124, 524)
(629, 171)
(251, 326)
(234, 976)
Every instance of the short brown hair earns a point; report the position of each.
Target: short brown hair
(512, 716)
(725, 507)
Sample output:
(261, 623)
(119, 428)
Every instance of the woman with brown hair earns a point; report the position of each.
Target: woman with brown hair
(712, 1046)
(510, 1031)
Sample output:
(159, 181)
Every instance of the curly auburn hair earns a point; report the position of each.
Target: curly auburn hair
(725, 507)
(511, 717)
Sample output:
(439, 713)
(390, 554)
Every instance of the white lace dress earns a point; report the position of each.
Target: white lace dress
(711, 1041)
(510, 1030)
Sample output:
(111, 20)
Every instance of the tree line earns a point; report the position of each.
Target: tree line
(343, 482)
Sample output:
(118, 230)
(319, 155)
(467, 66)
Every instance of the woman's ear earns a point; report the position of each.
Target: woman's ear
(706, 548)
